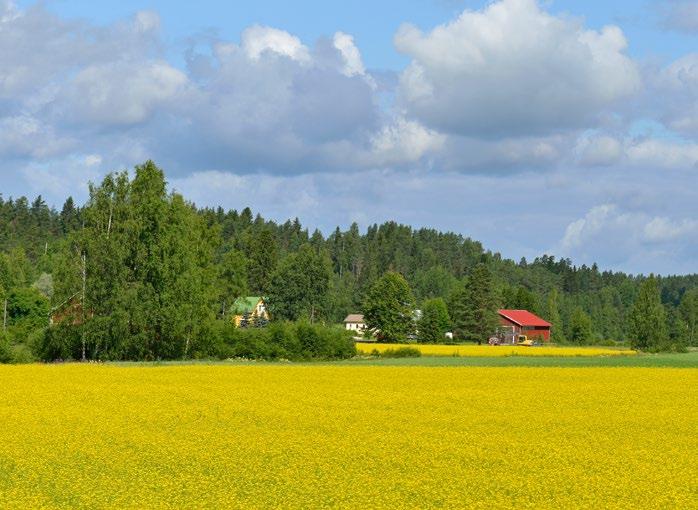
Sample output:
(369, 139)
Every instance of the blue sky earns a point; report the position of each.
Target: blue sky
(534, 126)
(372, 23)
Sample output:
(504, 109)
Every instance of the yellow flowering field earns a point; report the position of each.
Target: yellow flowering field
(309, 436)
(494, 351)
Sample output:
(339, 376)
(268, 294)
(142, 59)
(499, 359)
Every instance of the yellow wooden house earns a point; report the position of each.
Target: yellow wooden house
(251, 306)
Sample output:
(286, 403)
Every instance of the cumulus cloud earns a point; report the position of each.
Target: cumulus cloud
(607, 232)
(598, 150)
(659, 153)
(675, 91)
(258, 40)
(26, 136)
(496, 117)
(512, 68)
(123, 92)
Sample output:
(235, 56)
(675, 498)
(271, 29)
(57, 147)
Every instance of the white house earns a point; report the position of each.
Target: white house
(355, 322)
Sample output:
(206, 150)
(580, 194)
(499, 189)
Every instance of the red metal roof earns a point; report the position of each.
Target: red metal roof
(523, 318)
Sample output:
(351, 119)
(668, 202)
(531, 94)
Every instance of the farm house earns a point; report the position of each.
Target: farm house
(522, 322)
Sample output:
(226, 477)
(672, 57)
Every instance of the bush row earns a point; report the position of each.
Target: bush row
(283, 340)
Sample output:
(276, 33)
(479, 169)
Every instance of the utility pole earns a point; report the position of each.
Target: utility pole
(4, 317)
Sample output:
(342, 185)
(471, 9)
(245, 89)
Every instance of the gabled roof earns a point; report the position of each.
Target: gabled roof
(354, 317)
(523, 318)
(246, 304)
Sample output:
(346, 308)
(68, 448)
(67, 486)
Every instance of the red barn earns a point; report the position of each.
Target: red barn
(523, 322)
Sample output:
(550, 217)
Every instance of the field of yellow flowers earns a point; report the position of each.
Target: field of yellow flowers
(489, 351)
(308, 436)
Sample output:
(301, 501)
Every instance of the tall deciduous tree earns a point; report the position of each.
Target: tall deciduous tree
(689, 313)
(145, 282)
(580, 327)
(435, 322)
(553, 316)
(299, 286)
(389, 308)
(648, 318)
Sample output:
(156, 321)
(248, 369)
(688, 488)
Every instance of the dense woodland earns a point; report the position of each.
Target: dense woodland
(140, 273)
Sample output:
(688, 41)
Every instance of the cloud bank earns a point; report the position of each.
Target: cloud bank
(522, 128)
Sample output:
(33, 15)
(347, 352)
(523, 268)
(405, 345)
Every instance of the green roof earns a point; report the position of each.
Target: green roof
(243, 305)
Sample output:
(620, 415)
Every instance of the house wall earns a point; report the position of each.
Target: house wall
(542, 332)
(355, 326)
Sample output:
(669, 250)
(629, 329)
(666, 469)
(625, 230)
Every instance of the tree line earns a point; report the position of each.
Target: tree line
(138, 272)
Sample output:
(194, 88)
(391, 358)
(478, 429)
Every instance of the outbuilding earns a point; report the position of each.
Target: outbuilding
(523, 322)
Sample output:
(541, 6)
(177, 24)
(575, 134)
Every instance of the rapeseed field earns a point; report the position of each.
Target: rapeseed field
(494, 351)
(275, 436)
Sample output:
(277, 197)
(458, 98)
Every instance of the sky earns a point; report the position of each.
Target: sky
(551, 126)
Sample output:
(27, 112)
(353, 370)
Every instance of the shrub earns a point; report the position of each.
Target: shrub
(401, 352)
(5, 348)
(294, 341)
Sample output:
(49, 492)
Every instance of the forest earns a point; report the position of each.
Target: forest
(138, 272)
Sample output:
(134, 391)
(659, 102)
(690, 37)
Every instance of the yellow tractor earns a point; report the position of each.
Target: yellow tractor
(524, 341)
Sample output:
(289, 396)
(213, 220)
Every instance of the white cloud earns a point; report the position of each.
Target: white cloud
(675, 92)
(598, 150)
(27, 136)
(404, 141)
(659, 229)
(123, 92)
(257, 40)
(621, 237)
(659, 153)
(512, 68)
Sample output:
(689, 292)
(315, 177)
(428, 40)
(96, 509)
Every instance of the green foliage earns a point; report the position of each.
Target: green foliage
(6, 355)
(474, 307)
(435, 321)
(553, 316)
(299, 286)
(648, 319)
(688, 312)
(389, 307)
(159, 271)
(292, 341)
(262, 256)
(27, 310)
(434, 282)
(580, 327)
(146, 261)
(232, 278)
